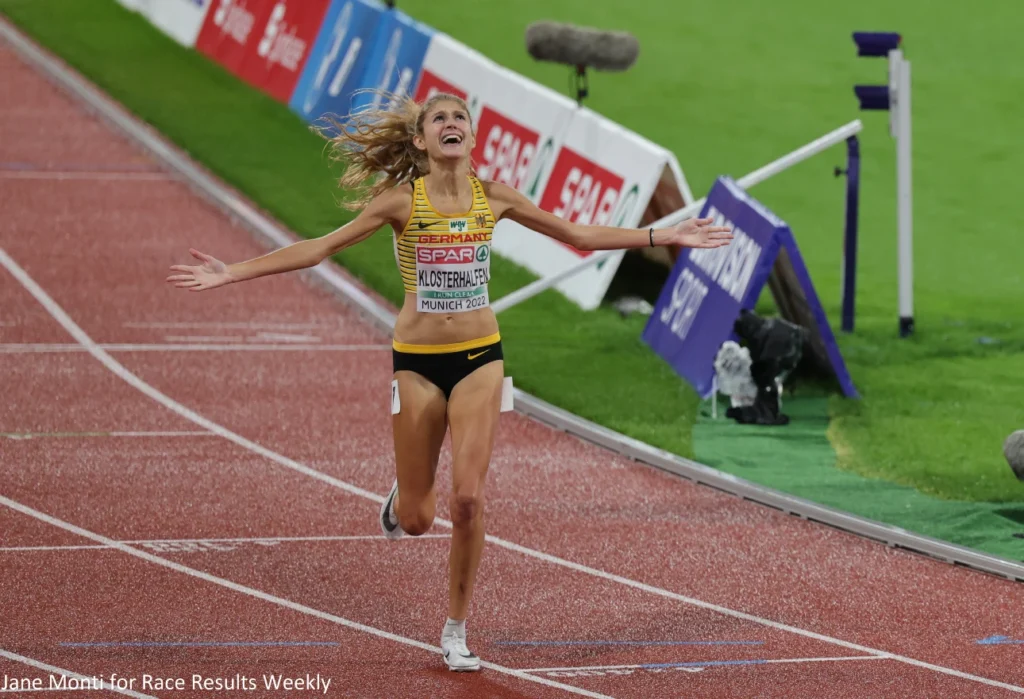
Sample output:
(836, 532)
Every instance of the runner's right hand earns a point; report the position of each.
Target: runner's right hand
(209, 275)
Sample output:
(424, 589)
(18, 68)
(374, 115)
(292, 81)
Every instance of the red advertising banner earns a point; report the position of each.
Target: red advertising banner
(264, 42)
(274, 60)
(230, 27)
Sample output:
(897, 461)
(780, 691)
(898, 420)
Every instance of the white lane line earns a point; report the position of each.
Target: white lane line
(709, 663)
(61, 317)
(56, 175)
(61, 671)
(162, 434)
(52, 435)
(226, 325)
(33, 347)
(293, 338)
(51, 348)
(273, 599)
(278, 539)
(827, 660)
(207, 339)
(16, 549)
(261, 541)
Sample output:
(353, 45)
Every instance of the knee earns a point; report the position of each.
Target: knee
(465, 508)
(416, 525)
(417, 522)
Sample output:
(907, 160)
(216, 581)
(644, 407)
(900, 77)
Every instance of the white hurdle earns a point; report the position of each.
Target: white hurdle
(746, 182)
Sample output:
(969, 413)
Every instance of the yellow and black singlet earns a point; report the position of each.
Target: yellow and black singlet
(446, 260)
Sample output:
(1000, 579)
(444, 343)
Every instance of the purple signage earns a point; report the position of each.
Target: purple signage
(707, 289)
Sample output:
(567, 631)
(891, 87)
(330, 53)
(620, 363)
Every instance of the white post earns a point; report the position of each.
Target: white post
(747, 181)
(905, 248)
(714, 396)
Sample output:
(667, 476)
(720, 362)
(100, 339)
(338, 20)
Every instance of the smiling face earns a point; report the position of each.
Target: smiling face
(445, 131)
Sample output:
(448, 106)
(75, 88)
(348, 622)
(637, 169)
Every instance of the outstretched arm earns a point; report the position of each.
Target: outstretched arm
(391, 207)
(691, 233)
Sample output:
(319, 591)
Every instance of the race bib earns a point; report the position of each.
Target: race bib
(452, 273)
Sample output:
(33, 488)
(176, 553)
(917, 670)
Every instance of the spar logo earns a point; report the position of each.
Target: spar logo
(688, 294)
(504, 150)
(582, 191)
(448, 255)
(281, 43)
(234, 19)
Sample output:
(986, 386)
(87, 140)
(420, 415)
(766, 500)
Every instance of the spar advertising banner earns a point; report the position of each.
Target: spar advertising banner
(603, 175)
(520, 127)
(179, 19)
(264, 42)
(396, 58)
(707, 289)
(337, 62)
(566, 159)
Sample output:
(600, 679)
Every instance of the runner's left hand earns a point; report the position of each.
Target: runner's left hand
(699, 233)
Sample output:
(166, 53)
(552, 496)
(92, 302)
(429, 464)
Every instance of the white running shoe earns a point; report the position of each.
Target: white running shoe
(456, 655)
(388, 519)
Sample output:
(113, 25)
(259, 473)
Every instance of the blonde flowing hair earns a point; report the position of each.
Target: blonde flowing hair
(375, 144)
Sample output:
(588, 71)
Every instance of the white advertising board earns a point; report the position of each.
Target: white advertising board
(178, 19)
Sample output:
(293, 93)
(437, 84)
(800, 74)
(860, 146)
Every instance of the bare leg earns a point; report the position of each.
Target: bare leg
(473, 411)
(419, 429)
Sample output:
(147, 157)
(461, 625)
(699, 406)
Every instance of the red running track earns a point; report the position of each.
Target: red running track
(189, 486)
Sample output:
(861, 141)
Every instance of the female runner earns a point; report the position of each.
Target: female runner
(447, 356)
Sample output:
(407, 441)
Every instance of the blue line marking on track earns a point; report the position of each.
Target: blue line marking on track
(999, 641)
(628, 643)
(195, 644)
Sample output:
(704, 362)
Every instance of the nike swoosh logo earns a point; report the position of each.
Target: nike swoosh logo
(464, 655)
(422, 225)
(386, 521)
(474, 356)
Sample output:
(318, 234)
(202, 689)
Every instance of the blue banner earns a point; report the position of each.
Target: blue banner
(337, 62)
(708, 288)
(397, 58)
